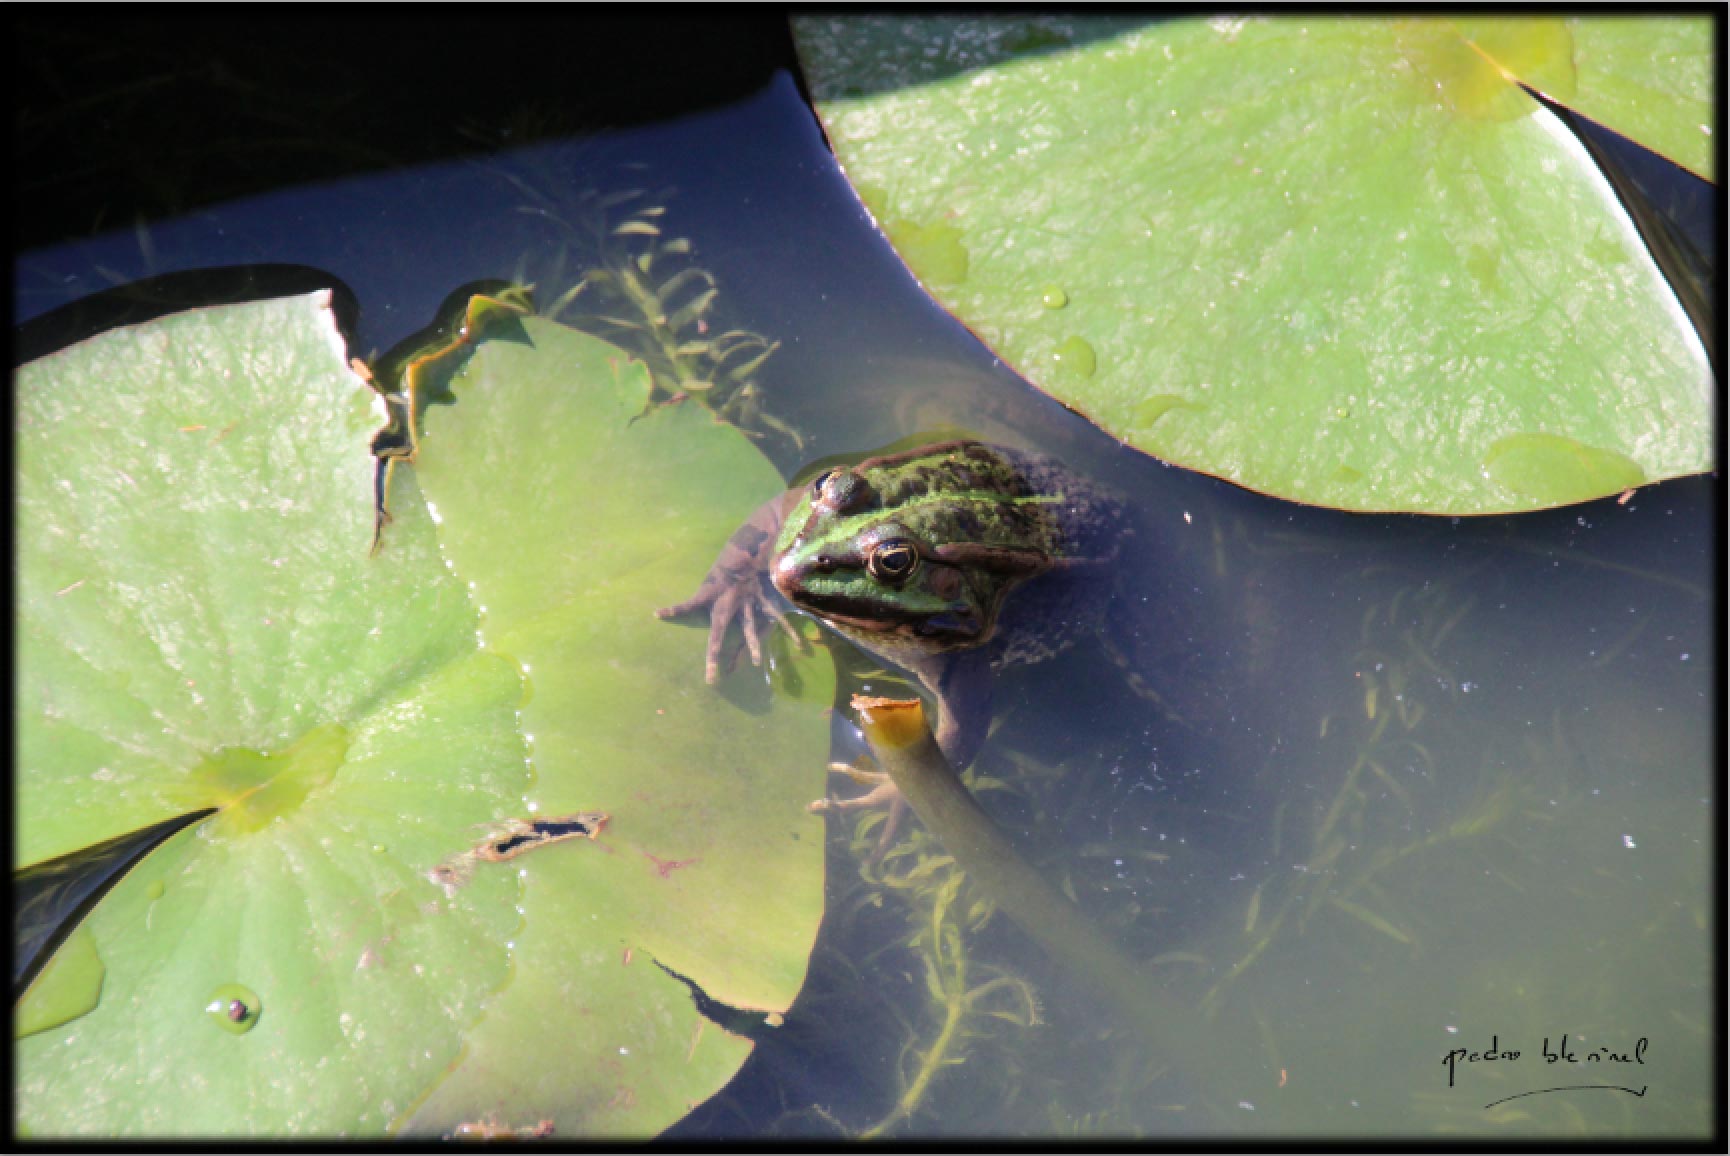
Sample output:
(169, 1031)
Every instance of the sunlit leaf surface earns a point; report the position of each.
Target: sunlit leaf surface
(1650, 79)
(1653, 81)
(1348, 262)
(200, 624)
(573, 521)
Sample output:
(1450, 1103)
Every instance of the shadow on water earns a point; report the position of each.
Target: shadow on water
(130, 120)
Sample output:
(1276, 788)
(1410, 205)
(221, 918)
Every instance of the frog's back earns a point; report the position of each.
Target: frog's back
(999, 496)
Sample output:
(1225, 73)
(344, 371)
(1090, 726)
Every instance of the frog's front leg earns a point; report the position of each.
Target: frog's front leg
(961, 681)
(737, 586)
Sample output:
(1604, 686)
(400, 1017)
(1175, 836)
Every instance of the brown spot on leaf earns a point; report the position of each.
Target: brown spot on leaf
(665, 867)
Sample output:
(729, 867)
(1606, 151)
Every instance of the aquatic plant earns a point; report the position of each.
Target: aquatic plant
(643, 291)
(942, 912)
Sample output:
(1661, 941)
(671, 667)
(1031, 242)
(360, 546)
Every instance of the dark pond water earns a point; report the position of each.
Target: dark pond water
(1437, 783)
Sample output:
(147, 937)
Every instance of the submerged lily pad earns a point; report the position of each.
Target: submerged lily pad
(1334, 260)
(200, 625)
(67, 988)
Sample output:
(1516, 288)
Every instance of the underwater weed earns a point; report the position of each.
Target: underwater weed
(964, 999)
(642, 290)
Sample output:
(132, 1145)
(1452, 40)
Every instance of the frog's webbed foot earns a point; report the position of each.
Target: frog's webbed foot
(737, 587)
(726, 597)
(883, 793)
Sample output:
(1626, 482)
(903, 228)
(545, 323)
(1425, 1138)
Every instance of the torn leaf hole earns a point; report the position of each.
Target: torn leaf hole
(586, 825)
(509, 838)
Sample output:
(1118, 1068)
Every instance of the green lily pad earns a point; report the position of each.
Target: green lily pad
(1337, 261)
(46, 895)
(1652, 81)
(573, 515)
(200, 624)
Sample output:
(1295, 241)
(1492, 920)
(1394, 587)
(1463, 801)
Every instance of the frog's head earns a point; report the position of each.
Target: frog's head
(910, 574)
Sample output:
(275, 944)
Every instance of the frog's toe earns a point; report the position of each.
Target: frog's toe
(748, 621)
(702, 599)
(884, 793)
(768, 606)
(859, 774)
(726, 606)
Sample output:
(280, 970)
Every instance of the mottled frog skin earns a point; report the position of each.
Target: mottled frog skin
(949, 561)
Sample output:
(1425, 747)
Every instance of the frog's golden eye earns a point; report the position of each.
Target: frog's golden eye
(892, 560)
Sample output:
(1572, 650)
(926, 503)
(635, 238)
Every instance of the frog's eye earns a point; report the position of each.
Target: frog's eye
(892, 560)
(821, 480)
(841, 490)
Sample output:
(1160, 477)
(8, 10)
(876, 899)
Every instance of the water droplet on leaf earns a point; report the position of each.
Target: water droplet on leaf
(1075, 356)
(234, 1008)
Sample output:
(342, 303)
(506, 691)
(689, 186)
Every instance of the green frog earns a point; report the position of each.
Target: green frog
(950, 561)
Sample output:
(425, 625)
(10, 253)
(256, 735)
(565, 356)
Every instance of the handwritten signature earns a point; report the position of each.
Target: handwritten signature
(1561, 1052)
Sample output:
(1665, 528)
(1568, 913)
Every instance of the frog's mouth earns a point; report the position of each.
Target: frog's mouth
(866, 614)
(957, 625)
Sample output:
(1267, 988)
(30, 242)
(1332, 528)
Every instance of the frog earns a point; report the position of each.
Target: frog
(951, 561)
